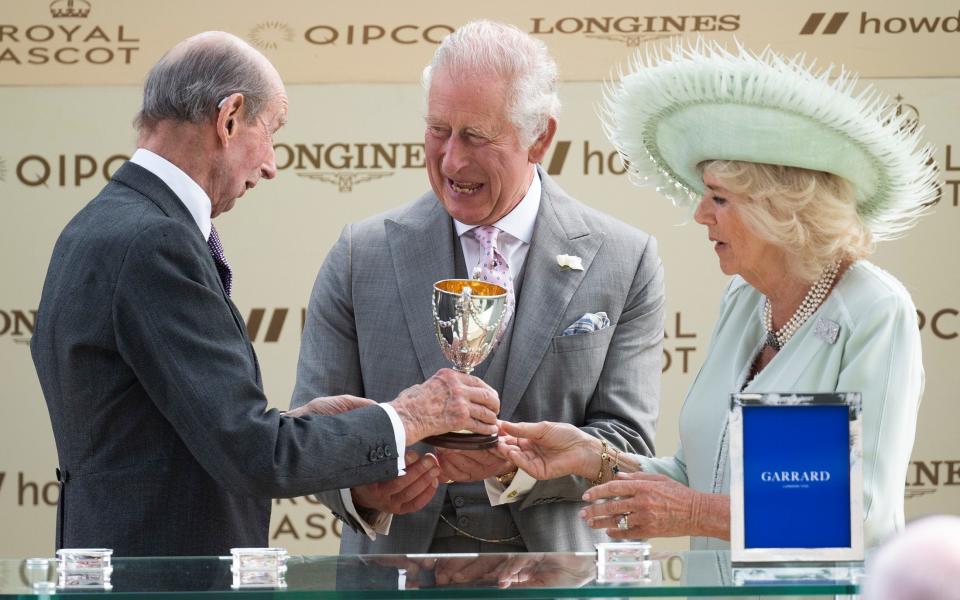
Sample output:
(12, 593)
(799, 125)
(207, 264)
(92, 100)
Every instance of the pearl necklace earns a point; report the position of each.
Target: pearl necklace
(815, 296)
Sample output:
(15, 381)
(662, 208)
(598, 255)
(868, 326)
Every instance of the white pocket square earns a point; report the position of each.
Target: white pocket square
(587, 323)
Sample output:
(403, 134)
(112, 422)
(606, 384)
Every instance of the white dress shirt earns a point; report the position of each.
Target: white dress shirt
(517, 231)
(513, 243)
(198, 203)
(185, 188)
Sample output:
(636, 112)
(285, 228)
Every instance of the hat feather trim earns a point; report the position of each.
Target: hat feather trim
(896, 180)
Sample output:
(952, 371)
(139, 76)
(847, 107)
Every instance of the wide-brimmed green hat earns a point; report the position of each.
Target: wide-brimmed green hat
(680, 104)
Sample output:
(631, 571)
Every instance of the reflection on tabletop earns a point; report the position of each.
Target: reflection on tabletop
(486, 570)
(516, 575)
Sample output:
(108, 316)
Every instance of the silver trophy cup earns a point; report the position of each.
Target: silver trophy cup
(467, 315)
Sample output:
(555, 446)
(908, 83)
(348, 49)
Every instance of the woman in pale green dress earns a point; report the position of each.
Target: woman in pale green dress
(795, 179)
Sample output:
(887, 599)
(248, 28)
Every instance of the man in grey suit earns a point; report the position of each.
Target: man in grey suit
(583, 343)
(165, 443)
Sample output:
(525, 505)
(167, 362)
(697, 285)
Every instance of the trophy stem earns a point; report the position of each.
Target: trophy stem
(467, 315)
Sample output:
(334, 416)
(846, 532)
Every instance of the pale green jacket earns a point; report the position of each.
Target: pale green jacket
(876, 353)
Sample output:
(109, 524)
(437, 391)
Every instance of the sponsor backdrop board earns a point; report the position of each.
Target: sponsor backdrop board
(354, 149)
(115, 41)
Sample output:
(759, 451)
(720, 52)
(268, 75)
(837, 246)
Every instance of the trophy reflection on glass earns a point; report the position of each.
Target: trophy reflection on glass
(467, 314)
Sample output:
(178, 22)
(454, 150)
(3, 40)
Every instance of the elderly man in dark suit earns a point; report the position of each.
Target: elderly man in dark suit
(583, 340)
(165, 443)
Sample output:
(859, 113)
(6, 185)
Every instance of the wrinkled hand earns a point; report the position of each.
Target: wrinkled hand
(329, 405)
(408, 493)
(473, 465)
(548, 450)
(468, 569)
(546, 570)
(514, 570)
(413, 566)
(448, 401)
(655, 505)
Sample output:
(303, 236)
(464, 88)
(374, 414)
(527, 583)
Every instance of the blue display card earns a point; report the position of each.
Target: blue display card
(796, 487)
(796, 474)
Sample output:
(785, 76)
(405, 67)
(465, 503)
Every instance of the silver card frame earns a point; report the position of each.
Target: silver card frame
(743, 555)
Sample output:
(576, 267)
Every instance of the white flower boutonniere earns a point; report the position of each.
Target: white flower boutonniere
(566, 261)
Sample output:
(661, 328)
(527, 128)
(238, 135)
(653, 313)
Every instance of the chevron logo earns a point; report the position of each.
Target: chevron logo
(814, 20)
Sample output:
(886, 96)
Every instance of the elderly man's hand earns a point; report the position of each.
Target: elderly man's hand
(473, 465)
(448, 401)
(408, 493)
(330, 405)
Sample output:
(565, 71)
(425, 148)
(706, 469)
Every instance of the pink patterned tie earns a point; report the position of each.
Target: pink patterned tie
(493, 267)
(219, 259)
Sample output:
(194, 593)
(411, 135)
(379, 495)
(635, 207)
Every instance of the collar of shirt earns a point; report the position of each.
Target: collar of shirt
(186, 189)
(517, 227)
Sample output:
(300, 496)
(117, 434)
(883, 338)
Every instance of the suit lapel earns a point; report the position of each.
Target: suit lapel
(154, 189)
(143, 181)
(421, 248)
(547, 289)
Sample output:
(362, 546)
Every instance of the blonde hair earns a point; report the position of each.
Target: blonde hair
(812, 215)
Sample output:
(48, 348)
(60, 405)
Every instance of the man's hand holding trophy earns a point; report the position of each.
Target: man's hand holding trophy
(468, 315)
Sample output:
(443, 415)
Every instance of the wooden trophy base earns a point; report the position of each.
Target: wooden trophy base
(463, 441)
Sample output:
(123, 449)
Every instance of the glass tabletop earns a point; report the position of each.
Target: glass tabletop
(560, 575)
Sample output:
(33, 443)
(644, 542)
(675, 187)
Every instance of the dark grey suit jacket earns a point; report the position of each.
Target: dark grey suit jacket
(165, 443)
(369, 331)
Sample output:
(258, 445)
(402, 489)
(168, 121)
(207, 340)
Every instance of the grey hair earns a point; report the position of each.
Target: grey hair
(190, 80)
(487, 47)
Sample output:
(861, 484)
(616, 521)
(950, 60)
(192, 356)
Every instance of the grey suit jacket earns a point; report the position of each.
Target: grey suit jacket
(163, 435)
(369, 331)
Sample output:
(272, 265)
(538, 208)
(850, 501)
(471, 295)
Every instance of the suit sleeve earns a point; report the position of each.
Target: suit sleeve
(882, 361)
(329, 351)
(626, 403)
(188, 349)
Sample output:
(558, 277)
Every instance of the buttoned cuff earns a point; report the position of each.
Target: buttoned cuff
(520, 486)
(400, 435)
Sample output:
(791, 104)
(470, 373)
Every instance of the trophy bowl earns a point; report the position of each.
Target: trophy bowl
(467, 315)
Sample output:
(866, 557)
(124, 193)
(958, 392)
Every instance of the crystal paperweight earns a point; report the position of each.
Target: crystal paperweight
(622, 552)
(259, 567)
(84, 568)
(624, 561)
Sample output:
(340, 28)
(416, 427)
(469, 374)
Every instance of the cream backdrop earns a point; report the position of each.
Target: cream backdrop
(352, 149)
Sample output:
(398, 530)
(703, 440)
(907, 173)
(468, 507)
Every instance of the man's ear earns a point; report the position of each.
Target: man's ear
(540, 146)
(231, 110)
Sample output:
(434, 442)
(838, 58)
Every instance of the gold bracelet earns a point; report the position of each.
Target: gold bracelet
(604, 458)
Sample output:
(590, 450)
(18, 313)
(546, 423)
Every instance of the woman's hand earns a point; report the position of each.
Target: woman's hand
(655, 506)
(547, 450)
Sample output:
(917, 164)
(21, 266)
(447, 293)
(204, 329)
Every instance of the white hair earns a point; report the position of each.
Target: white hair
(921, 563)
(487, 47)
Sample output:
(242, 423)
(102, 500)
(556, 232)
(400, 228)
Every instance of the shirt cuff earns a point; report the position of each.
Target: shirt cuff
(381, 522)
(400, 437)
(520, 486)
